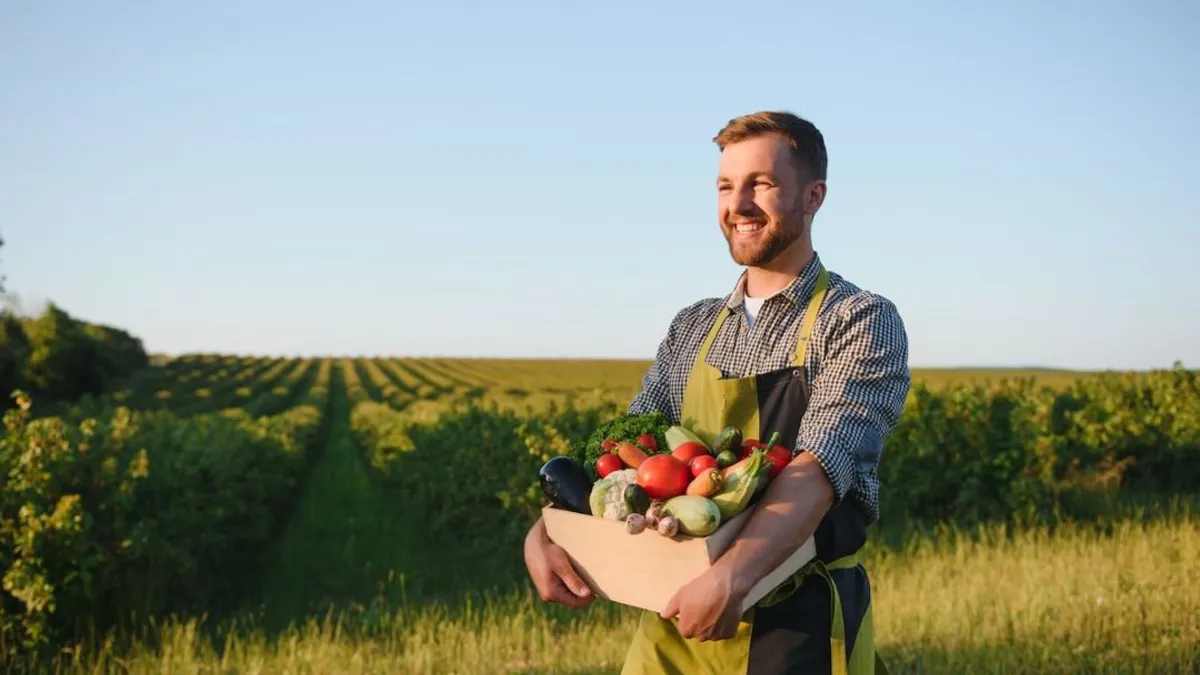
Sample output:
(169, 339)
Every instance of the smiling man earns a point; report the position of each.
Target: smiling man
(794, 349)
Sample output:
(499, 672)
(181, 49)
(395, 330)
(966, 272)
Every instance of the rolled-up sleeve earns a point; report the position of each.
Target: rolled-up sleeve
(857, 396)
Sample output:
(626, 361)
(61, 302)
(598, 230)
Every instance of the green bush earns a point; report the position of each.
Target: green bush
(1019, 450)
(126, 513)
(959, 453)
(472, 473)
(57, 357)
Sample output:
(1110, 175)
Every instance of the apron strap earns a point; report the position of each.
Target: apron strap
(837, 628)
(837, 634)
(702, 355)
(810, 317)
(806, 325)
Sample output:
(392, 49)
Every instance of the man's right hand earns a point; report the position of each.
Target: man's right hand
(551, 571)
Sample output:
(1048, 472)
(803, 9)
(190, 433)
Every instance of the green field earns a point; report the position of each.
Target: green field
(368, 514)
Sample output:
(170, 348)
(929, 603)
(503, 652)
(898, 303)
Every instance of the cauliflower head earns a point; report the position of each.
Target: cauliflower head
(607, 499)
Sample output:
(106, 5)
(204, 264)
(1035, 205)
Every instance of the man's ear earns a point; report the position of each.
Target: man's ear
(814, 197)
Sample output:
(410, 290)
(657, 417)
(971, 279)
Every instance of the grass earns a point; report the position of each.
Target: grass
(346, 545)
(1118, 598)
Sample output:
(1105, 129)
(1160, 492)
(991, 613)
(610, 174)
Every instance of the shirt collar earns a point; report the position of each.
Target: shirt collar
(797, 292)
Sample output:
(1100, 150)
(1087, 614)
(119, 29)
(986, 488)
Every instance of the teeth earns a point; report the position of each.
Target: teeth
(748, 227)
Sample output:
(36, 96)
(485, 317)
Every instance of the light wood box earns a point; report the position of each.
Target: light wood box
(645, 569)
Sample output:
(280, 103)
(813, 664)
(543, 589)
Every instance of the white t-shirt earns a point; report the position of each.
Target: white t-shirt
(752, 306)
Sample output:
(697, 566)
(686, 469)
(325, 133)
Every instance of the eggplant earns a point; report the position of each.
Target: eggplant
(566, 484)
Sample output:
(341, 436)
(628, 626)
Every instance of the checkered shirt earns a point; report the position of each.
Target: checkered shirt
(857, 366)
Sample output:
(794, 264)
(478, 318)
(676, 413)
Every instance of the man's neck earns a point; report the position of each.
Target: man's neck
(776, 275)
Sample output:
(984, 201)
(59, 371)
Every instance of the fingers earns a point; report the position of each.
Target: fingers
(556, 579)
(561, 565)
(672, 607)
(697, 629)
(555, 591)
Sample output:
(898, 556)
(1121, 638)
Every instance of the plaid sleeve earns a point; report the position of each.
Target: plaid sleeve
(857, 395)
(655, 394)
(664, 382)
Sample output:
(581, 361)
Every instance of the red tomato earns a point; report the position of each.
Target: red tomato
(648, 442)
(608, 463)
(702, 463)
(609, 445)
(686, 452)
(663, 476)
(779, 457)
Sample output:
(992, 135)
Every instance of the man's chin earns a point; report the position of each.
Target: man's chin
(759, 255)
(749, 258)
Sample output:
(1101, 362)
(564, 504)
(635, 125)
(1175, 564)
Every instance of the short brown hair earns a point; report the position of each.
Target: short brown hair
(808, 145)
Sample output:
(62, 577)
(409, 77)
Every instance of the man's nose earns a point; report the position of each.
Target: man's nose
(744, 201)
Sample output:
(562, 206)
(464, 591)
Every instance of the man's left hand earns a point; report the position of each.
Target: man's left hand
(708, 607)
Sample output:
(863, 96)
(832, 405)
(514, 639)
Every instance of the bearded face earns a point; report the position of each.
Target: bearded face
(760, 200)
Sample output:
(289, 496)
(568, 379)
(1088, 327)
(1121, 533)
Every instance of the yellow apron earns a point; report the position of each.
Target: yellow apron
(819, 621)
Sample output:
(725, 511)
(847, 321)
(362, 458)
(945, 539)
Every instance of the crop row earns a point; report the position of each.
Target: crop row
(279, 391)
(182, 383)
(108, 512)
(205, 382)
(194, 385)
(521, 385)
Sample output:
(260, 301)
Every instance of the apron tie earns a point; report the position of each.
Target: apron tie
(837, 628)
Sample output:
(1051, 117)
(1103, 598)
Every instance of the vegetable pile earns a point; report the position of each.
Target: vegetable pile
(649, 475)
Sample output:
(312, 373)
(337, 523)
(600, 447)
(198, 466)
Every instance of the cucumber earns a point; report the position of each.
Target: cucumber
(677, 436)
(729, 440)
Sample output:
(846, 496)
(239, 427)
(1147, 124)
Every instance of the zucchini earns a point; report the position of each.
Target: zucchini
(697, 516)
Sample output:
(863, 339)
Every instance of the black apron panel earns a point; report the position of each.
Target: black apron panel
(792, 637)
(782, 401)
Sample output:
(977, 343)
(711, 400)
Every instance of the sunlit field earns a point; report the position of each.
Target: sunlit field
(353, 515)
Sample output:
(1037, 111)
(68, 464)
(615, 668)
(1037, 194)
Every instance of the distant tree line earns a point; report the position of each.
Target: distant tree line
(54, 356)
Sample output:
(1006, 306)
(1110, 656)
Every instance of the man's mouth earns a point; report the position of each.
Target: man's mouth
(748, 228)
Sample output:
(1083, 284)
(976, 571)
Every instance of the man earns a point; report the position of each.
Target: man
(795, 349)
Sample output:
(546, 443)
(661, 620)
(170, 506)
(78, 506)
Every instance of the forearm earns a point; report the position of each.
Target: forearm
(786, 516)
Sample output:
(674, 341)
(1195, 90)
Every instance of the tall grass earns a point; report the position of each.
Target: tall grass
(1119, 597)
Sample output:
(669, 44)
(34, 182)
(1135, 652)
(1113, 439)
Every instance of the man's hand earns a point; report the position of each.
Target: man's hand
(708, 608)
(551, 571)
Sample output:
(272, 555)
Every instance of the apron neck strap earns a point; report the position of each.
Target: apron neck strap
(806, 325)
(702, 356)
(810, 317)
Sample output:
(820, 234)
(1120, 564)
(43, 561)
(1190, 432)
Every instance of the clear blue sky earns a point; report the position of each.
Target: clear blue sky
(527, 179)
